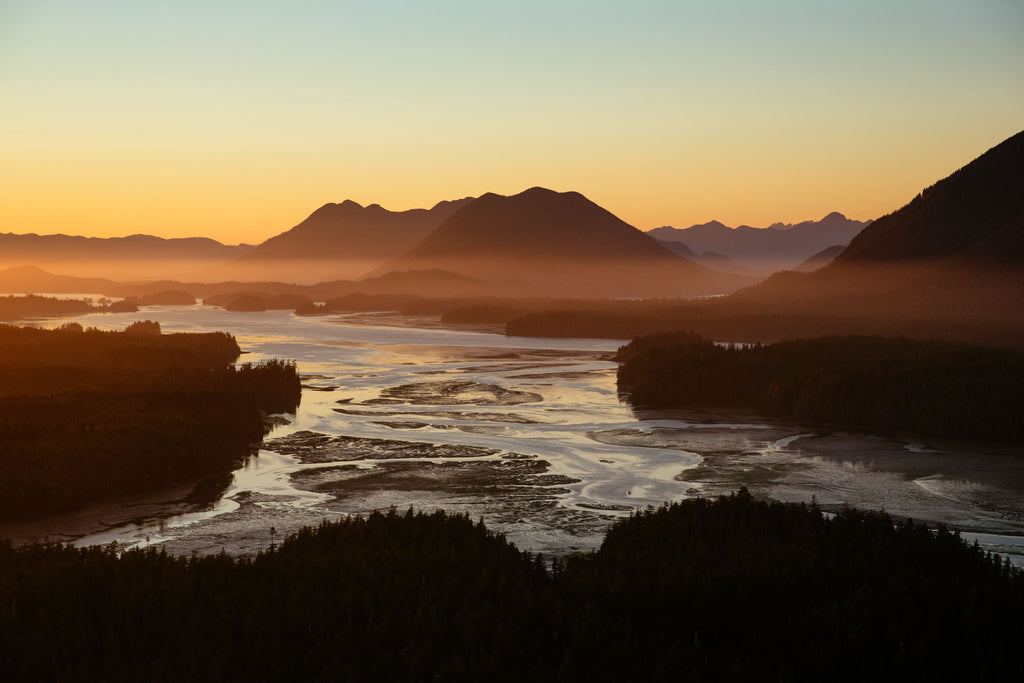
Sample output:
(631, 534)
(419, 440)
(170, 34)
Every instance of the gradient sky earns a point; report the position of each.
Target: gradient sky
(235, 120)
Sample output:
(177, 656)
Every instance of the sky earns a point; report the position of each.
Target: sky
(235, 120)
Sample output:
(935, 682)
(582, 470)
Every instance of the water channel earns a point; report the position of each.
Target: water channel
(530, 435)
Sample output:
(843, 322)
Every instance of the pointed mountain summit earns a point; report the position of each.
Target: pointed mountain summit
(977, 213)
(708, 231)
(545, 242)
(341, 240)
(537, 223)
(777, 247)
(832, 221)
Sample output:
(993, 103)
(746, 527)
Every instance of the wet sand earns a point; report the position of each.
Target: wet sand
(529, 434)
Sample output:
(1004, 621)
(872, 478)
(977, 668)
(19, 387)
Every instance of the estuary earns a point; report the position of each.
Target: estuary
(529, 434)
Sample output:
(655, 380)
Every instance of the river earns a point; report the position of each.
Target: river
(528, 434)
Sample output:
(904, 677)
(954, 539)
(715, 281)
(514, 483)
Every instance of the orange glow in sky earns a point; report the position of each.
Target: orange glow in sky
(235, 120)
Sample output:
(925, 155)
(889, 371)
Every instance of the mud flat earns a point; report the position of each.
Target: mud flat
(533, 436)
(312, 447)
(516, 478)
(516, 493)
(140, 510)
(969, 486)
(459, 393)
(452, 414)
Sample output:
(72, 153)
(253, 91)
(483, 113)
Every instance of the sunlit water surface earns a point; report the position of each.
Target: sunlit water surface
(528, 434)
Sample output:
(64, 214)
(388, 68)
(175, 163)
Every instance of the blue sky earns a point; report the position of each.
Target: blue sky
(236, 119)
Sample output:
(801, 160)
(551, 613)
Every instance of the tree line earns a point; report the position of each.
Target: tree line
(15, 307)
(743, 323)
(887, 384)
(726, 589)
(88, 414)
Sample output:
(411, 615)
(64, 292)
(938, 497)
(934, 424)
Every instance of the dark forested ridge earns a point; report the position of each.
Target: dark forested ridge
(87, 414)
(745, 322)
(975, 213)
(949, 265)
(732, 589)
(931, 388)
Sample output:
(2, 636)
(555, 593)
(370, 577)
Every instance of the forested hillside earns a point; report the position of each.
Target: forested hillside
(87, 414)
(976, 213)
(931, 388)
(30, 305)
(732, 589)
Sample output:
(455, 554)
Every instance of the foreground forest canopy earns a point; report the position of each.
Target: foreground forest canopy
(731, 589)
(891, 384)
(87, 414)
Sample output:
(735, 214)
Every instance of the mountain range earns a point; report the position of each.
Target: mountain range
(536, 243)
(974, 215)
(336, 241)
(954, 255)
(542, 242)
(764, 250)
(132, 257)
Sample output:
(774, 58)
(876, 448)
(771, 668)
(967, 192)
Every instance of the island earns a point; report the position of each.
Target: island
(931, 388)
(87, 414)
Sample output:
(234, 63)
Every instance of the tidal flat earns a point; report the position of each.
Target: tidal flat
(529, 434)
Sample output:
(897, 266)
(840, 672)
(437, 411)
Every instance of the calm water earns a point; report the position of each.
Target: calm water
(528, 434)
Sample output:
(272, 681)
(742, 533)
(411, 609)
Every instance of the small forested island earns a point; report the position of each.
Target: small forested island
(889, 384)
(724, 590)
(88, 414)
(31, 305)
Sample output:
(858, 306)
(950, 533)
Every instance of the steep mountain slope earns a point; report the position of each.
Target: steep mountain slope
(820, 260)
(976, 213)
(948, 265)
(546, 242)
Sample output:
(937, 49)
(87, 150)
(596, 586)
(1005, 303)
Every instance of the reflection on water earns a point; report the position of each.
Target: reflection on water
(530, 435)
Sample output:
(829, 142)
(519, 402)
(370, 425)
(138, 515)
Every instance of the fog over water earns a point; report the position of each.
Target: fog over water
(529, 434)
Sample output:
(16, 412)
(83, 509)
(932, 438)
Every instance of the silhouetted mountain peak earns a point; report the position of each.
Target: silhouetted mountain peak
(946, 265)
(538, 222)
(543, 242)
(976, 213)
(832, 221)
(343, 239)
(538, 191)
(446, 204)
(780, 246)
